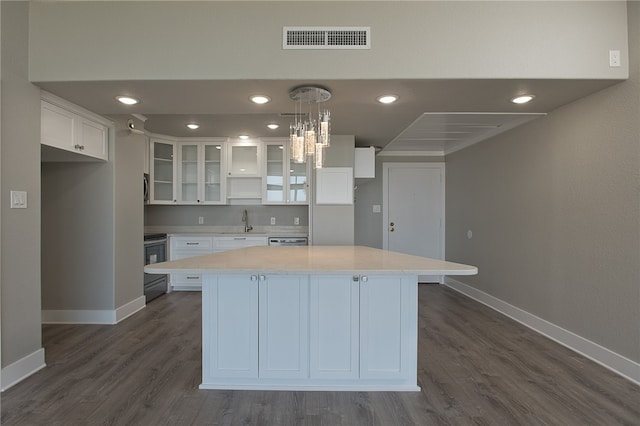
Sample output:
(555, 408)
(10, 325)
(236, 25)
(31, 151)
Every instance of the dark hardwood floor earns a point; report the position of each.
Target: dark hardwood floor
(475, 367)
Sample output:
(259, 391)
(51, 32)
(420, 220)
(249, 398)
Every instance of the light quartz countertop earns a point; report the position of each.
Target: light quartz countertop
(312, 260)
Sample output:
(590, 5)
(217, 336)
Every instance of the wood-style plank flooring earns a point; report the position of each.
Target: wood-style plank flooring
(475, 367)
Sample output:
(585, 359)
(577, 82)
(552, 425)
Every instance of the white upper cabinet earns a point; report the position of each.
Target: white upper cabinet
(365, 163)
(201, 172)
(163, 171)
(285, 182)
(334, 185)
(245, 159)
(71, 128)
(218, 171)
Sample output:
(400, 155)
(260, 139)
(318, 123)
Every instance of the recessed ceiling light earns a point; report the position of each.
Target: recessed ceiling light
(127, 100)
(193, 126)
(243, 137)
(272, 126)
(522, 99)
(260, 99)
(387, 99)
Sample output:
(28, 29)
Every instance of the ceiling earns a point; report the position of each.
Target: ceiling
(222, 107)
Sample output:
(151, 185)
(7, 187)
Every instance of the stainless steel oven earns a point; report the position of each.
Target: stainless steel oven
(155, 251)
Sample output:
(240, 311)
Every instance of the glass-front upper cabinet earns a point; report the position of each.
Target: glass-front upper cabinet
(189, 173)
(163, 172)
(298, 183)
(244, 159)
(200, 169)
(285, 182)
(214, 180)
(274, 191)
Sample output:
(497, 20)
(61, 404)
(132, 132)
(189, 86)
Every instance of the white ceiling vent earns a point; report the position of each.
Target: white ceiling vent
(312, 38)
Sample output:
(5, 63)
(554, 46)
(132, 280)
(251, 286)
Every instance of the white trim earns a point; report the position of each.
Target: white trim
(298, 387)
(130, 308)
(76, 109)
(107, 317)
(391, 153)
(619, 364)
(21, 369)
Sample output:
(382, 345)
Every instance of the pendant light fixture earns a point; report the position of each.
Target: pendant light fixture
(309, 137)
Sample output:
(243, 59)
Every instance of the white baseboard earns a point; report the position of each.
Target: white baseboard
(21, 369)
(78, 316)
(619, 364)
(128, 309)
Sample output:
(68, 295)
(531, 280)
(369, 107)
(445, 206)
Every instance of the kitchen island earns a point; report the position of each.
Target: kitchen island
(310, 318)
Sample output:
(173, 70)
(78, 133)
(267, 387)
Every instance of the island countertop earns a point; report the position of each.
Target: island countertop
(312, 260)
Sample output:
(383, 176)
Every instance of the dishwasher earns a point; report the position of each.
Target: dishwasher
(288, 241)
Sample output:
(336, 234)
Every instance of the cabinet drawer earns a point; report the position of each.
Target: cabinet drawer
(228, 243)
(186, 279)
(192, 243)
(186, 282)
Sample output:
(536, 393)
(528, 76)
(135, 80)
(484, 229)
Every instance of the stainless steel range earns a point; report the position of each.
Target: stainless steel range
(155, 251)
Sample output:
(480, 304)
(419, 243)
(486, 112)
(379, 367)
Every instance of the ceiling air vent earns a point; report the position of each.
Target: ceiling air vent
(312, 38)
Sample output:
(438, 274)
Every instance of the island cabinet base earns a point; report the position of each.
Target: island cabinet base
(309, 332)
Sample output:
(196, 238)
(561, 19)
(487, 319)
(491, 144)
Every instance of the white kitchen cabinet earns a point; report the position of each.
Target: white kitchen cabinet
(181, 247)
(334, 327)
(223, 243)
(244, 159)
(334, 185)
(69, 127)
(365, 163)
(284, 182)
(230, 321)
(163, 171)
(388, 327)
(309, 332)
(283, 333)
(201, 178)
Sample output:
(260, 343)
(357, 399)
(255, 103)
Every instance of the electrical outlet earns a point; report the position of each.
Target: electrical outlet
(200, 220)
(18, 199)
(273, 220)
(614, 58)
(296, 221)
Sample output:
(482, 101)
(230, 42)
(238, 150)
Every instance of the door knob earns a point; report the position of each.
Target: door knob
(391, 226)
(391, 229)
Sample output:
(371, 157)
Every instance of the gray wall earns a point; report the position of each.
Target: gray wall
(334, 225)
(554, 207)
(20, 251)
(128, 209)
(92, 227)
(77, 236)
(203, 40)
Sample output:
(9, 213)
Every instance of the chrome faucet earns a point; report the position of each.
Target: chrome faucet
(245, 220)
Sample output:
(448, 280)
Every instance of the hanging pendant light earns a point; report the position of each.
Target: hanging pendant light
(309, 138)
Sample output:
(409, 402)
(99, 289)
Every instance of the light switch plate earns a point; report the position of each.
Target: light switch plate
(18, 199)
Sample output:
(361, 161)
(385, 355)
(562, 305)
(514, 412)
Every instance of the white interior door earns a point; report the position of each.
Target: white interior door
(413, 199)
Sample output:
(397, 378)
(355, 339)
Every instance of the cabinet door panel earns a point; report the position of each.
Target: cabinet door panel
(334, 316)
(93, 139)
(388, 329)
(230, 334)
(284, 327)
(57, 127)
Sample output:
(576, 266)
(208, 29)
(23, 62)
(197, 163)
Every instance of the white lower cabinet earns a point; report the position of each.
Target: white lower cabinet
(230, 327)
(388, 327)
(317, 332)
(183, 246)
(334, 327)
(283, 330)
